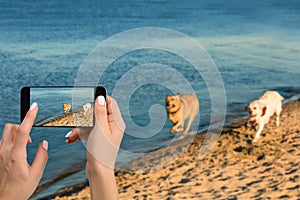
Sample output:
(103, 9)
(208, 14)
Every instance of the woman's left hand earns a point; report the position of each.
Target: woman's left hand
(18, 179)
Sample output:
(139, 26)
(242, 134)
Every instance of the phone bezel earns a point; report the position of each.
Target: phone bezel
(25, 101)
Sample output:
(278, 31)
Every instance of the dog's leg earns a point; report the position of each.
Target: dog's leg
(260, 128)
(277, 120)
(176, 128)
(191, 119)
(278, 117)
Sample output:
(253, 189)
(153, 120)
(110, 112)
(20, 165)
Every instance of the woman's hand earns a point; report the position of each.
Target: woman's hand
(18, 179)
(103, 143)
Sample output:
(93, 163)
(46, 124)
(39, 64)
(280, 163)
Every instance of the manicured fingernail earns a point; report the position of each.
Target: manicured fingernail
(33, 106)
(30, 140)
(68, 134)
(101, 100)
(67, 140)
(45, 145)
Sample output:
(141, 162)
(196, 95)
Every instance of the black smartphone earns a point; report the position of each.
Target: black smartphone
(62, 106)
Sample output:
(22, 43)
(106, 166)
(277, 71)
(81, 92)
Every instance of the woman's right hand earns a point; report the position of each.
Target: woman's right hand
(103, 142)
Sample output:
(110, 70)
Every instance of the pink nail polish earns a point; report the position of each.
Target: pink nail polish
(101, 100)
(45, 145)
(33, 106)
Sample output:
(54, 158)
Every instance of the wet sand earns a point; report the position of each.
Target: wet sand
(235, 168)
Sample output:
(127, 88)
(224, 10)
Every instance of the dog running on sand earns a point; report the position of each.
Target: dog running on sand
(261, 110)
(86, 107)
(179, 109)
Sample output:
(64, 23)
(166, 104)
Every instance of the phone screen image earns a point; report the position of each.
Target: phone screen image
(61, 106)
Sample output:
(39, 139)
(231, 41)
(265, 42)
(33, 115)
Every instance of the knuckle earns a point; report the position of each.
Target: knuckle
(14, 158)
(21, 130)
(9, 126)
(113, 101)
(12, 161)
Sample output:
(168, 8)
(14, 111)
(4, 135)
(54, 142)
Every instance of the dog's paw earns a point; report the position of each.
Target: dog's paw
(181, 137)
(184, 133)
(172, 130)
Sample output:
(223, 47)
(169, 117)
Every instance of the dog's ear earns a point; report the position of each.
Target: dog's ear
(264, 109)
(246, 107)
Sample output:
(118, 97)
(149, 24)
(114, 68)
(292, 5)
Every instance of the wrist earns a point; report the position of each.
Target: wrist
(12, 195)
(97, 168)
(102, 181)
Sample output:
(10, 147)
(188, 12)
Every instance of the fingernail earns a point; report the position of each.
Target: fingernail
(68, 134)
(101, 100)
(45, 145)
(33, 106)
(30, 140)
(67, 140)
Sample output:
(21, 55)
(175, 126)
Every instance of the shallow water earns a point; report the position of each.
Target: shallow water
(256, 46)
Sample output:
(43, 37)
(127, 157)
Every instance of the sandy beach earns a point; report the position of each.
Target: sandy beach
(234, 169)
(73, 119)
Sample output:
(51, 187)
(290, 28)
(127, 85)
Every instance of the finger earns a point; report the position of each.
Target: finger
(40, 161)
(29, 141)
(68, 141)
(84, 133)
(72, 135)
(77, 134)
(9, 133)
(114, 115)
(24, 129)
(101, 115)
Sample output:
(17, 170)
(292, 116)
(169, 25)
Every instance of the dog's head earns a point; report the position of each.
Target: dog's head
(86, 106)
(67, 107)
(256, 109)
(172, 103)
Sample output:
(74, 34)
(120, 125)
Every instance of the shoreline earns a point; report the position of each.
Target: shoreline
(233, 168)
(72, 119)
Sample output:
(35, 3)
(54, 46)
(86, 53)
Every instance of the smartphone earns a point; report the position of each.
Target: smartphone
(62, 106)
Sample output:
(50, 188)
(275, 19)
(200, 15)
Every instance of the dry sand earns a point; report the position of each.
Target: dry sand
(234, 169)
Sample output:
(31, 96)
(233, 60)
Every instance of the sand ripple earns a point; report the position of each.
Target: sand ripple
(234, 169)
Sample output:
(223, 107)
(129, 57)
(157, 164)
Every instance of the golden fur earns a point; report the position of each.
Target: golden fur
(179, 109)
(67, 107)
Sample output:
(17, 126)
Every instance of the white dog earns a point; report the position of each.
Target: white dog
(261, 110)
(86, 107)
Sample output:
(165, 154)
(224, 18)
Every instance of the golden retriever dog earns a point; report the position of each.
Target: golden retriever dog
(179, 109)
(86, 107)
(67, 107)
(261, 110)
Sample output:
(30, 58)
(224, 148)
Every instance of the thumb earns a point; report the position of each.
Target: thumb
(40, 161)
(101, 114)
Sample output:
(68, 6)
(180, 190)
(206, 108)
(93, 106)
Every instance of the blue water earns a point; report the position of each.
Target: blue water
(255, 44)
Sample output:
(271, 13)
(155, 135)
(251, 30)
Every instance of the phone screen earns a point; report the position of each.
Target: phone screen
(61, 106)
